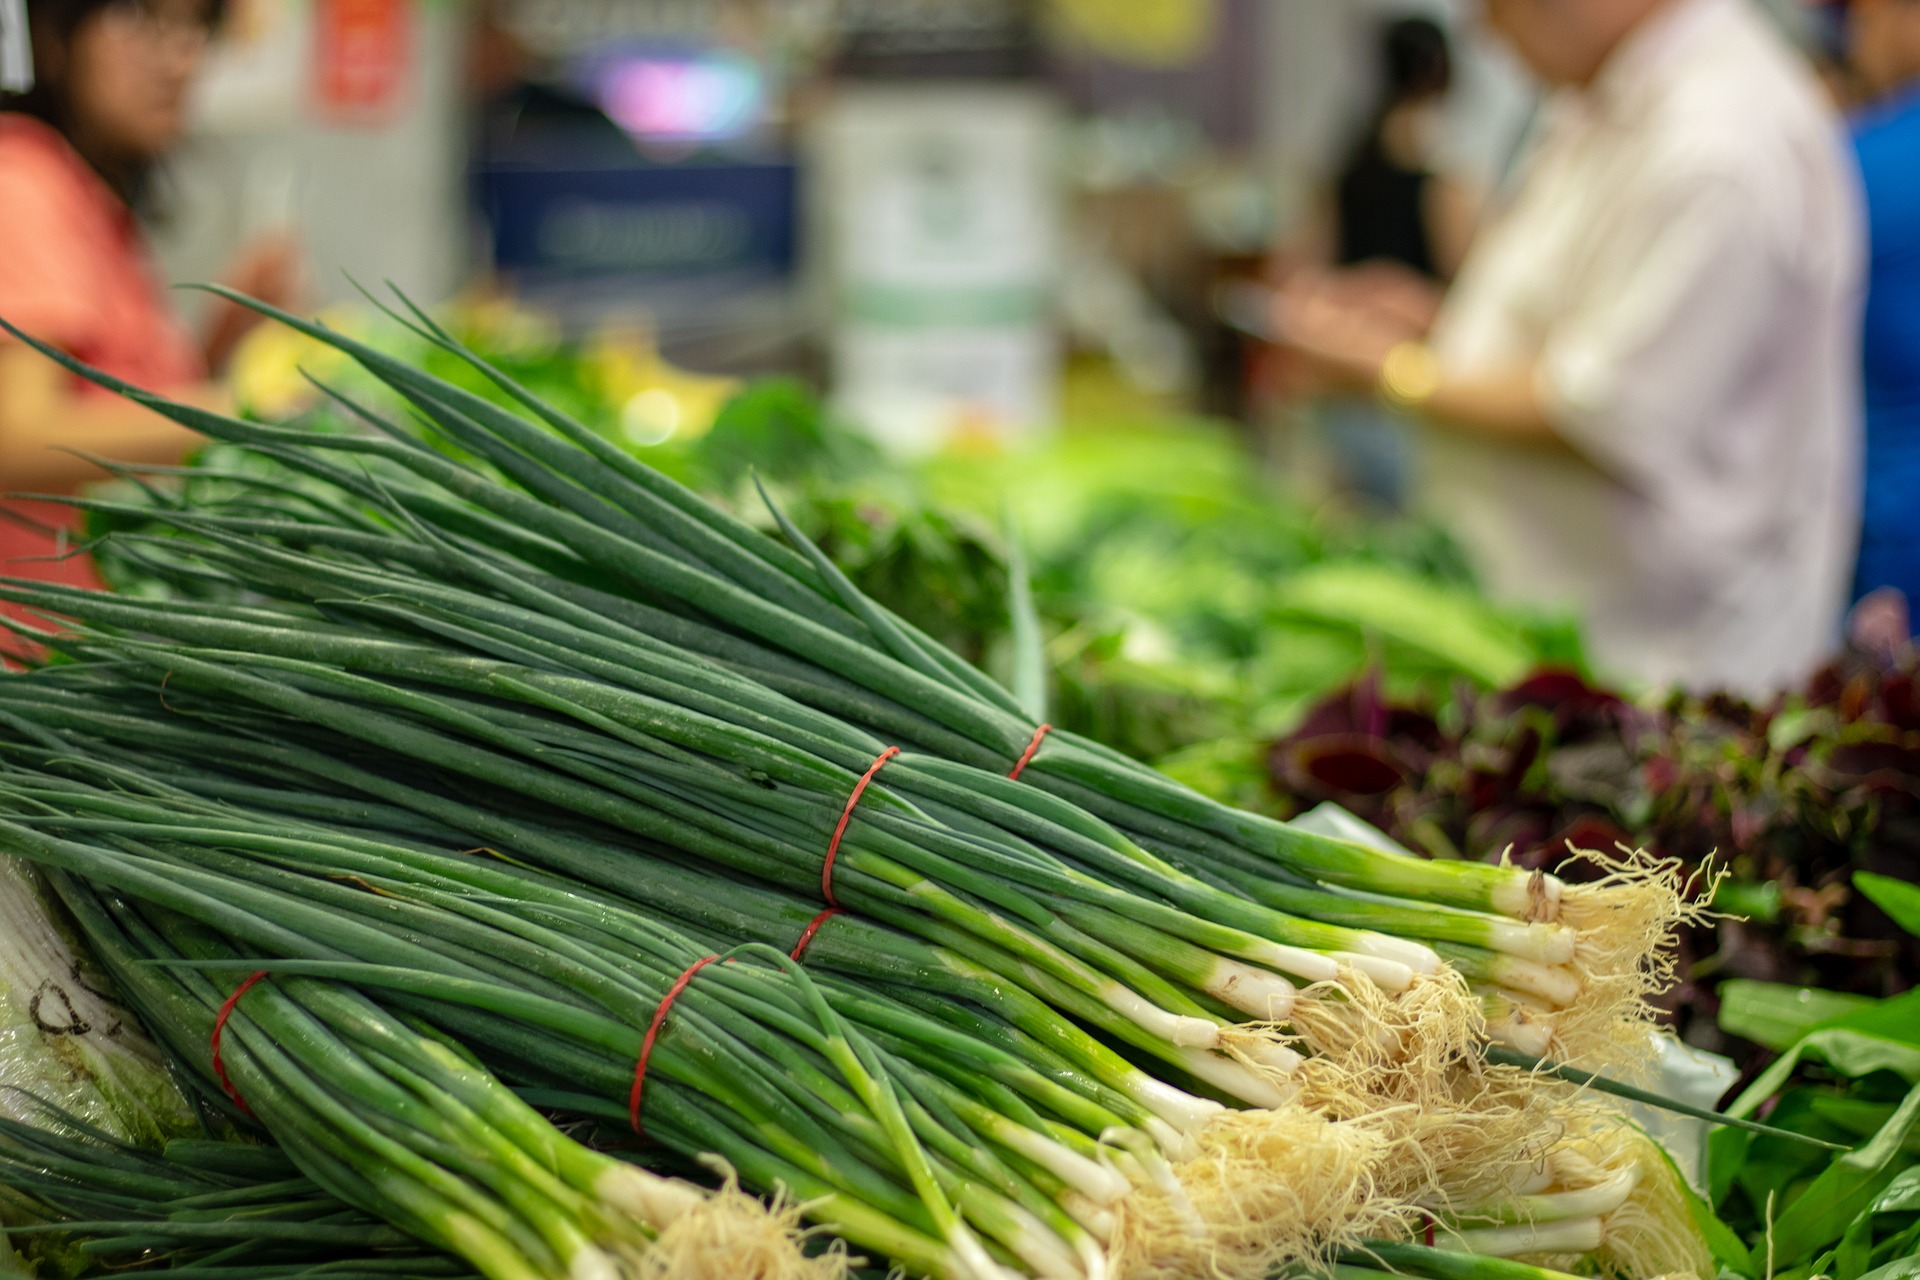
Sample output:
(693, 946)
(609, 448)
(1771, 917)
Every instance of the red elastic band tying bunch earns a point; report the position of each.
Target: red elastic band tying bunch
(813, 927)
(846, 816)
(653, 1033)
(219, 1026)
(1032, 747)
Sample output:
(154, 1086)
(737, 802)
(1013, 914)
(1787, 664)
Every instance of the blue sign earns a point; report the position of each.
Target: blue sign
(657, 222)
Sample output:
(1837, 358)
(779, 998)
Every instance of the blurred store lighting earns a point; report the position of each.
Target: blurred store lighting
(657, 399)
(650, 417)
(664, 95)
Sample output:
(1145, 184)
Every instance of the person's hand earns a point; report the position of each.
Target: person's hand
(1880, 624)
(1342, 325)
(1396, 291)
(270, 269)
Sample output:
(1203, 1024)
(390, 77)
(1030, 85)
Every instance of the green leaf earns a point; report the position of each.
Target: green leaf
(1854, 1257)
(1511, 1058)
(1899, 1246)
(1897, 1020)
(1895, 897)
(1902, 1194)
(1899, 1269)
(1759, 903)
(1857, 1116)
(1443, 622)
(1844, 1191)
(1722, 1240)
(1885, 1036)
(1726, 1149)
(1774, 1014)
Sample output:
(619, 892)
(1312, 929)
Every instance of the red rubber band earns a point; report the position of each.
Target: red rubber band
(1032, 747)
(813, 927)
(219, 1026)
(653, 1032)
(846, 816)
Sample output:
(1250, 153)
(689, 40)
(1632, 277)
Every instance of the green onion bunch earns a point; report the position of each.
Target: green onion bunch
(402, 1121)
(745, 820)
(480, 725)
(557, 512)
(552, 984)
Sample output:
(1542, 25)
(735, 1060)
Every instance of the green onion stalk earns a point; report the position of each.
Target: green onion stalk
(674, 701)
(216, 1210)
(1606, 1195)
(727, 911)
(720, 910)
(1429, 1262)
(1064, 843)
(589, 763)
(1148, 960)
(578, 472)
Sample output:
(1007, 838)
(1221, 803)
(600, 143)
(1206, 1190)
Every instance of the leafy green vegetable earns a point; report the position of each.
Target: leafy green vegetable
(1804, 1212)
(65, 1040)
(1902, 1195)
(1791, 799)
(1193, 600)
(1905, 1268)
(1179, 595)
(1884, 1036)
(1845, 1189)
(1895, 897)
(1448, 625)
(1774, 1015)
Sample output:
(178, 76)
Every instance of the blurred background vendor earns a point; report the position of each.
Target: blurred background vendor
(1882, 45)
(1641, 392)
(78, 152)
(1397, 217)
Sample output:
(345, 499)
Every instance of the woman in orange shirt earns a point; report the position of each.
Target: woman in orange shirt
(76, 150)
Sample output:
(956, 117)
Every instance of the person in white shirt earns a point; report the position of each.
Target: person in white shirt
(1642, 389)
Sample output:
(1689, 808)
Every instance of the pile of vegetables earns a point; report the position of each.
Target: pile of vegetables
(1847, 1072)
(464, 778)
(1190, 602)
(1807, 971)
(1792, 799)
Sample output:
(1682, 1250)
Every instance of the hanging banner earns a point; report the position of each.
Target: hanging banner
(942, 233)
(363, 59)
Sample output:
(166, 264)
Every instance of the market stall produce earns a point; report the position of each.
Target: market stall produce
(1807, 969)
(1791, 798)
(470, 754)
(1188, 601)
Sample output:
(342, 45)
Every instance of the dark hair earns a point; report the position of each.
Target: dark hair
(1415, 60)
(51, 25)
